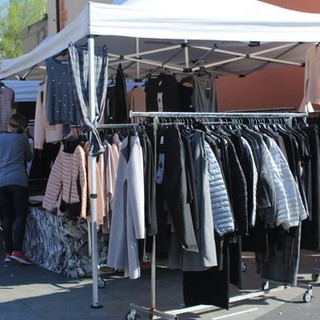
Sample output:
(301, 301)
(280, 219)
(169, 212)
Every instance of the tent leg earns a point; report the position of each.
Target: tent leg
(93, 182)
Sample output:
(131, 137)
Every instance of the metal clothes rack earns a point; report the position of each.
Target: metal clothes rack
(97, 281)
(93, 244)
(152, 311)
(118, 126)
(217, 115)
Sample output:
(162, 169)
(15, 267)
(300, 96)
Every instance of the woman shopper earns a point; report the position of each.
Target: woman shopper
(15, 152)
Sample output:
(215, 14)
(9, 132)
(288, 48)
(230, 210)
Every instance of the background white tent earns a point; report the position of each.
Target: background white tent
(25, 91)
(178, 35)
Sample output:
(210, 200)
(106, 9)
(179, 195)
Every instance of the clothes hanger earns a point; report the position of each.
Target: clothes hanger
(62, 55)
(202, 71)
(2, 84)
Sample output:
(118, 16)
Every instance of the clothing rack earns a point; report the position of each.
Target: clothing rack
(221, 116)
(133, 114)
(152, 311)
(118, 126)
(98, 282)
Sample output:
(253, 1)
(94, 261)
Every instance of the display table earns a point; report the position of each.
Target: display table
(59, 244)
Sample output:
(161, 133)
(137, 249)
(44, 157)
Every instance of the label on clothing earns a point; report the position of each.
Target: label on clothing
(160, 170)
(208, 92)
(160, 101)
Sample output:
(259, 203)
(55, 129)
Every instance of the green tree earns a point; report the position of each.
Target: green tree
(16, 15)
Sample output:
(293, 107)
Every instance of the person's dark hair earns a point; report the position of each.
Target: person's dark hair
(17, 122)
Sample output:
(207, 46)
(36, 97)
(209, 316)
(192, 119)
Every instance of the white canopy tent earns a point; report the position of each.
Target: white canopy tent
(229, 36)
(25, 91)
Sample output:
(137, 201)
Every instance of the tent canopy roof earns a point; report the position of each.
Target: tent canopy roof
(230, 37)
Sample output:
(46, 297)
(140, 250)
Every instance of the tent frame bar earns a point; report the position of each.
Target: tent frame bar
(138, 57)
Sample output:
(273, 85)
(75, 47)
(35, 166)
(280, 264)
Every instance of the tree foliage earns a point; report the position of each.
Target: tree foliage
(15, 16)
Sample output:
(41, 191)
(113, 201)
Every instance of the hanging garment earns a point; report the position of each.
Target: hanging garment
(204, 96)
(236, 182)
(59, 98)
(280, 261)
(246, 160)
(212, 286)
(128, 219)
(279, 203)
(43, 131)
(137, 99)
(121, 112)
(149, 190)
(251, 174)
(43, 161)
(185, 92)
(311, 79)
(67, 183)
(111, 156)
(296, 145)
(162, 93)
(6, 104)
(220, 202)
(206, 256)
(79, 69)
(171, 193)
(99, 187)
(290, 208)
(310, 237)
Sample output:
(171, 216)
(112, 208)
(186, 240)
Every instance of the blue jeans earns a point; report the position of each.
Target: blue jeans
(14, 205)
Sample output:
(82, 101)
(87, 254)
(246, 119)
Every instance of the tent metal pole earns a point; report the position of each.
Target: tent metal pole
(281, 47)
(138, 56)
(150, 62)
(153, 256)
(93, 194)
(186, 54)
(256, 57)
(222, 62)
(143, 53)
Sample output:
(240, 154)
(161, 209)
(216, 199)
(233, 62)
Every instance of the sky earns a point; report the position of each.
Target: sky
(113, 2)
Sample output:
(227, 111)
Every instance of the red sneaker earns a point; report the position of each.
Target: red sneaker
(20, 257)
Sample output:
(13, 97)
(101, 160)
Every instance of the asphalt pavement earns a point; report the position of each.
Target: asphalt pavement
(34, 293)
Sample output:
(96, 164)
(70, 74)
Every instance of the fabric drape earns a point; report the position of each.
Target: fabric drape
(79, 67)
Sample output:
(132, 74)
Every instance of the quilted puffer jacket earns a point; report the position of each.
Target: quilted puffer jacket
(288, 209)
(221, 210)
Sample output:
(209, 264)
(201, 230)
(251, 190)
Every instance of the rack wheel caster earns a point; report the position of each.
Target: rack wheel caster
(81, 273)
(131, 315)
(244, 267)
(265, 286)
(307, 296)
(315, 277)
(101, 283)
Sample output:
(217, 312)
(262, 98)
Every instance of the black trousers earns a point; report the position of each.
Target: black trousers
(14, 207)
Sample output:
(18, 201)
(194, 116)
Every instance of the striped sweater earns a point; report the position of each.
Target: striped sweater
(68, 179)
